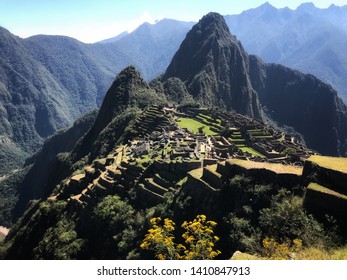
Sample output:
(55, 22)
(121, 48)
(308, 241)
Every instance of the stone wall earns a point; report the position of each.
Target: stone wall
(263, 175)
(321, 203)
(333, 179)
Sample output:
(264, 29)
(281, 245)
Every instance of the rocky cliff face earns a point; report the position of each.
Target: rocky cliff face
(211, 62)
(303, 102)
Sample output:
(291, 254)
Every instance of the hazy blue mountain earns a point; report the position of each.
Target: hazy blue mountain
(309, 39)
(115, 39)
(79, 68)
(151, 46)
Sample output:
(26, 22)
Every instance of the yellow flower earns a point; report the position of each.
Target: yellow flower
(198, 237)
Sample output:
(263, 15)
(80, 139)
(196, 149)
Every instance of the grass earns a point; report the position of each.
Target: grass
(319, 188)
(181, 182)
(197, 173)
(334, 163)
(213, 169)
(239, 256)
(263, 137)
(237, 140)
(167, 149)
(207, 117)
(310, 253)
(194, 126)
(240, 145)
(313, 253)
(252, 152)
(275, 167)
(144, 158)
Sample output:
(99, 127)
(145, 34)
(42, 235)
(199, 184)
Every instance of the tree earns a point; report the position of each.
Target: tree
(198, 237)
(117, 227)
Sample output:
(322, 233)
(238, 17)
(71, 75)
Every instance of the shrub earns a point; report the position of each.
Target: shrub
(280, 251)
(198, 237)
(287, 219)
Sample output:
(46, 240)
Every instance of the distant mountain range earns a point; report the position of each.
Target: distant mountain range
(309, 39)
(46, 82)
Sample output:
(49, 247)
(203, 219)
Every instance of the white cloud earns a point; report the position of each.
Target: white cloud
(105, 30)
(145, 17)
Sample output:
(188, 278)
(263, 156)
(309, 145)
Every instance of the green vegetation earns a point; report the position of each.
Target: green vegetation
(9, 196)
(116, 227)
(60, 242)
(198, 238)
(310, 253)
(274, 225)
(286, 219)
(12, 157)
(252, 152)
(194, 126)
(319, 188)
(334, 163)
(275, 167)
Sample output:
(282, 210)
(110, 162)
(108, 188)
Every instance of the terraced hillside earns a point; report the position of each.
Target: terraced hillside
(186, 160)
(327, 189)
(168, 149)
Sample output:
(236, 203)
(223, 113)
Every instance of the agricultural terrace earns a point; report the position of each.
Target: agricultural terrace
(275, 167)
(333, 163)
(318, 188)
(251, 151)
(194, 126)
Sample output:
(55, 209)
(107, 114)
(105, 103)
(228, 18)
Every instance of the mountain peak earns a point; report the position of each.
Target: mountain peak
(306, 7)
(212, 16)
(212, 23)
(120, 95)
(212, 64)
(267, 6)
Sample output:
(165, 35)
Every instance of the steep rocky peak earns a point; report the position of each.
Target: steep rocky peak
(122, 90)
(213, 65)
(212, 24)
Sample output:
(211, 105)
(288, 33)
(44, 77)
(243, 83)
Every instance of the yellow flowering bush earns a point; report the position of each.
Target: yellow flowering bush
(280, 251)
(198, 237)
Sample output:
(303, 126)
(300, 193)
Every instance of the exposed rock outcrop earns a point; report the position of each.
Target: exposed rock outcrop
(212, 64)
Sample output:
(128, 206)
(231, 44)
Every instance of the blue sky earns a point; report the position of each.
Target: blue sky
(93, 20)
